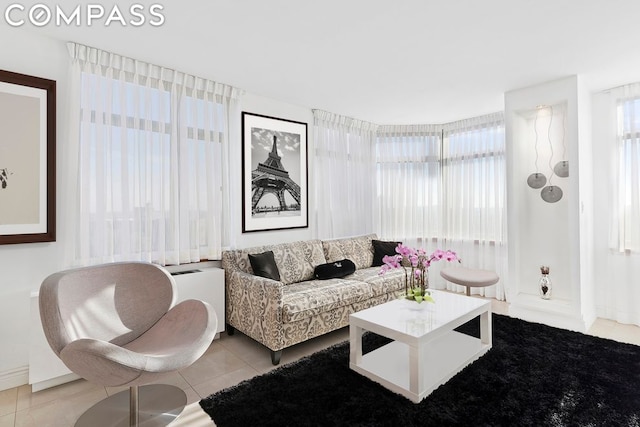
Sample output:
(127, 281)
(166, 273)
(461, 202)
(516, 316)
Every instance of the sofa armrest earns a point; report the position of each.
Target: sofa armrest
(254, 287)
(254, 307)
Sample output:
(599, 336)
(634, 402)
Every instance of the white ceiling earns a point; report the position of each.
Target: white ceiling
(388, 62)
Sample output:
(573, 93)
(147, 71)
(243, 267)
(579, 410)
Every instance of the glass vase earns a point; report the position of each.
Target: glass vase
(545, 283)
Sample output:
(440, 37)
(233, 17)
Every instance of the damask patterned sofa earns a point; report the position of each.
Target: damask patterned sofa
(282, 313)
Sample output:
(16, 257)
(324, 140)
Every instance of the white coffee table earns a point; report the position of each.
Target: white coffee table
(426, 351)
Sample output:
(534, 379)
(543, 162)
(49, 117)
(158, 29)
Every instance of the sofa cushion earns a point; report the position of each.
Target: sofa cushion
(334, 270)
(296, 261)
(382, 248)
(264, 265)
(313, 297)
(389, 282)
(358, 249)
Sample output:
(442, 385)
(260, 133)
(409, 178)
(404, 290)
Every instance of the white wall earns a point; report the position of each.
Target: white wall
(260, 105)
(586, 208)
(24, 266)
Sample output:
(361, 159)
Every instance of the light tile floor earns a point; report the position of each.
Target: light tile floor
(228, 361)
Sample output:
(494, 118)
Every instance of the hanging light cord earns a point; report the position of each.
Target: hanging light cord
(564, 131)
(535, 129)
(550, 144)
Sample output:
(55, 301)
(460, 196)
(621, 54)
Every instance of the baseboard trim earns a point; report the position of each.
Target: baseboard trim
(550, 318)
(14, 378)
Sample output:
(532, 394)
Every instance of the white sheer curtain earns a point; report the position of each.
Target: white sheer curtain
(625, 210)
(443, 187)
(150, 145)
(408, 173)
(474, 196)
(616, 196)
(344, 175)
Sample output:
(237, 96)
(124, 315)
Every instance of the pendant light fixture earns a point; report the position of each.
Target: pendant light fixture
(536, 180)
(551, 193)
(562, 168)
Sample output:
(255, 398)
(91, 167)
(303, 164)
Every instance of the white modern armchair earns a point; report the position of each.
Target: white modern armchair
(116, 325)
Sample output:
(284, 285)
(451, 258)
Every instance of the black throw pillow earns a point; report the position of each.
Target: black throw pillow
(382, 248)
(334, 270)
(264, 265)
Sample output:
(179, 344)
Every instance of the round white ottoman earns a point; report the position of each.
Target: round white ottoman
(470, 277)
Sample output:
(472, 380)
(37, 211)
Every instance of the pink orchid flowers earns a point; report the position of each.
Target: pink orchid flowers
(417, 281)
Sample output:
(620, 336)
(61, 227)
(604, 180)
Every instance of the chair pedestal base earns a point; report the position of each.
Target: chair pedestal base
(158, 405)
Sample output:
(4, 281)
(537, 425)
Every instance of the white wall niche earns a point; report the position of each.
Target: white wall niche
(542, 233)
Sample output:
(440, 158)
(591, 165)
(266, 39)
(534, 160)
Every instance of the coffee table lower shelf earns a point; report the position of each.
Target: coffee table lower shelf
(441, 359)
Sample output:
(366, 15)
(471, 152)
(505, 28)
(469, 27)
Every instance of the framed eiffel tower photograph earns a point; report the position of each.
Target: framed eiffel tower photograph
(274, 173)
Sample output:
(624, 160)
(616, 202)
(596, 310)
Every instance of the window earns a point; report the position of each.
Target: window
(628, 164)
(150, 163)
(408, 178)
(343, 166)
(474, 183)
(442, 182)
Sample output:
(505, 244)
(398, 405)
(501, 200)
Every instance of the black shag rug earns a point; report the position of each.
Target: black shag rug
(534, 375)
